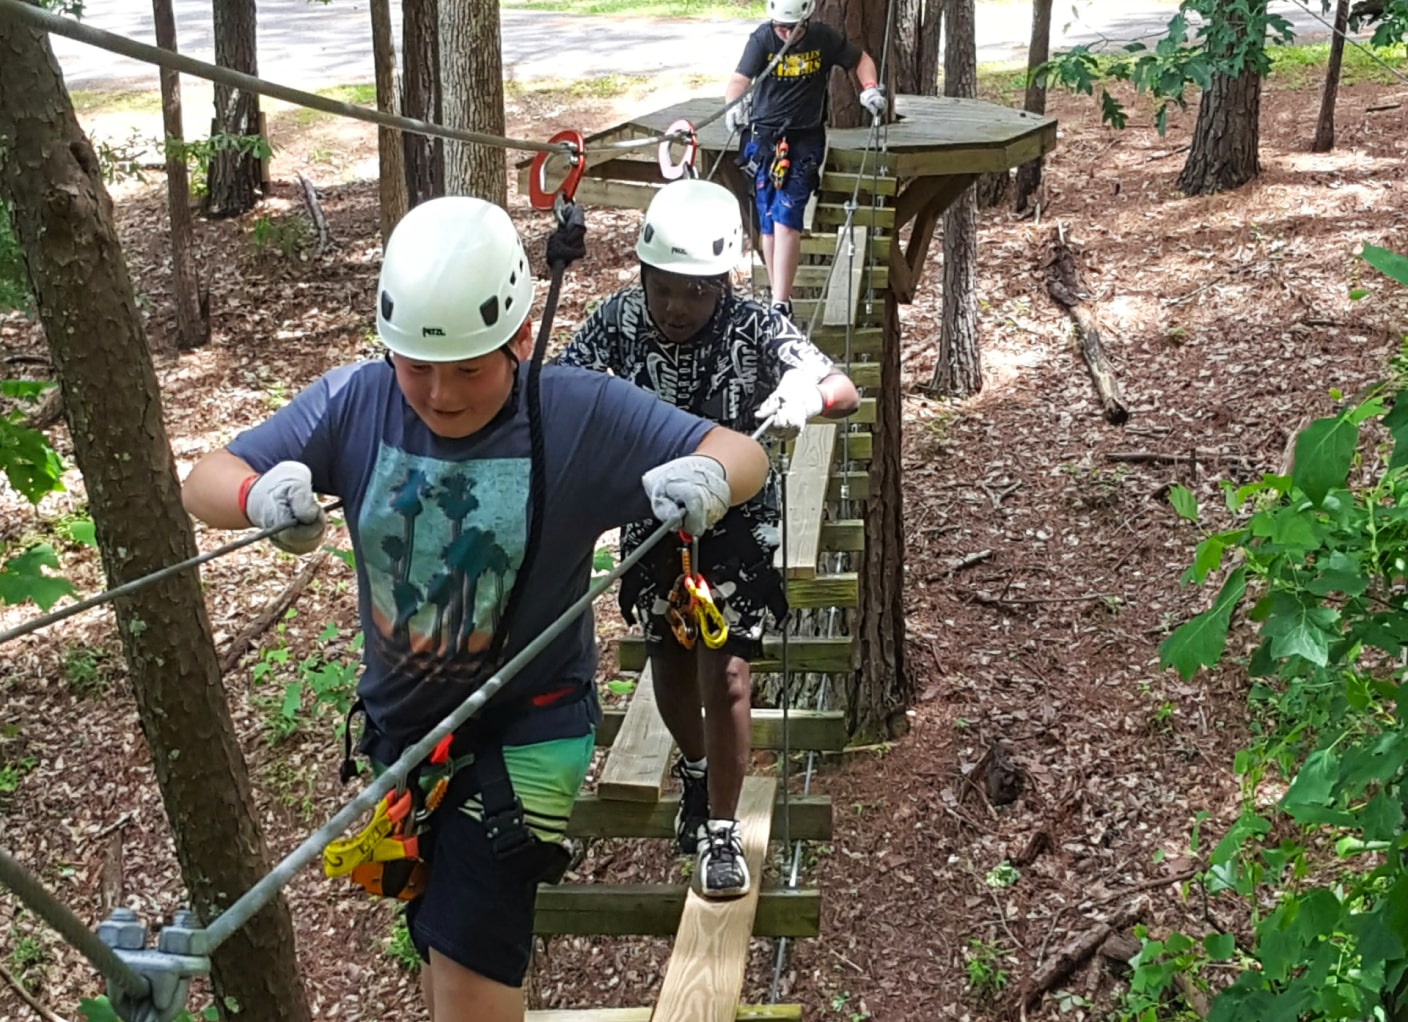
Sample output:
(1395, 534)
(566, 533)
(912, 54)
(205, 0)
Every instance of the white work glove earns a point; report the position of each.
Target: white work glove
(873, 99)
(284, 495)
(796, 399)
(695, 484)
(736, 119)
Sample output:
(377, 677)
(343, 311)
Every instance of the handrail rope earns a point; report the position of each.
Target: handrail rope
(136, 584)
(1350, 39)
(173, 61)
(35, 897)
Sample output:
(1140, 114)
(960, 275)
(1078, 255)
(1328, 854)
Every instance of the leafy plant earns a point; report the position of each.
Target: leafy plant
(12, 773)
(22, 578)
(14, 276)
(1321, 568)
(1004, 874)
(986, 976)
(198, 153)
(400, 948)
(323, 679)
(26, 458)
(87, 669)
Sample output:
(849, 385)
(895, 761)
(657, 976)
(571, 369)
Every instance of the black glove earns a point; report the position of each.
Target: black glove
(568, 241)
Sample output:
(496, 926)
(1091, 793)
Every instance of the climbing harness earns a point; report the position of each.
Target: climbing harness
(692, 613)
(780, 165)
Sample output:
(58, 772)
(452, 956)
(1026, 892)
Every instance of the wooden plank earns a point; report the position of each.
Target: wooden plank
(746, 1013)
(831, 214)
(806, 654)
(704, 977)
(839, 590)
(805, 496)
(804, 311)
(864, 414)
(858, 486)
(619, 194)
(846, 535)
(856, 446)
(815, 275)
(843, 287)
(845, 183)
(640, 910)
(862, 374)
(640, 757)
(811, 730)
(832, 340)
(825, 245)
(809, 816)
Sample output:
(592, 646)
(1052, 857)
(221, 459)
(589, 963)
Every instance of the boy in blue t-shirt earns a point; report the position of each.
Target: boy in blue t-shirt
(789, 117)
(433, 453)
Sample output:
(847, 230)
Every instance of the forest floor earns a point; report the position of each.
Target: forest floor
(1229, 322)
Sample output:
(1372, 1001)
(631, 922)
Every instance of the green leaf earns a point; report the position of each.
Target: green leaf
(97, 1010)
(83, 531)
(1358, 294)
(1340, 574)
(1313, 782)
(1183, 502)
(602, 560)
(1323, 453)
(1390, 264)
(620, 687)
(1396, 422)
(1298, 629)
(1382, 818)
(22, 578)
(1220, 946)
(1200, 642)
(28, 461)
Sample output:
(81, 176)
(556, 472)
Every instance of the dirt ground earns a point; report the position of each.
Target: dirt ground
(1228, 322)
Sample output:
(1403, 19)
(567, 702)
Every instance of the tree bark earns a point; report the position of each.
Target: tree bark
(420, 80)
(472, 94)
(930, 49)
(192, 320)
(63, 218)
(1226, 138)
(1325, 126)
(863, 23)
(234, 177)
(1038, 53)
(391, 154)
(959, 370)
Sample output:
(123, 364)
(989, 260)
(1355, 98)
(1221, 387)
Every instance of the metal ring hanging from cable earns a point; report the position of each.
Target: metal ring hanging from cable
(669, 169)
(570, 145)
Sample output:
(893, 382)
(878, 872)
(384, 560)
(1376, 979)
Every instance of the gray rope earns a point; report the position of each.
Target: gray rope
(48, 908)
(160, 575)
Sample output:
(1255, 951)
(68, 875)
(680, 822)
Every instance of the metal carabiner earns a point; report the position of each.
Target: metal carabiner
(709, 620)
(669, 169)
(572, 146)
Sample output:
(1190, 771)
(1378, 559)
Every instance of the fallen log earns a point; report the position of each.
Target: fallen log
(275, 609)
(1073, 956)
(315, 213)
(1064, 286)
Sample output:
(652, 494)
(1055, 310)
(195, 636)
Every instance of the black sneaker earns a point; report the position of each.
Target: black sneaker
(783, 309)
(693, 812)
(722, 871)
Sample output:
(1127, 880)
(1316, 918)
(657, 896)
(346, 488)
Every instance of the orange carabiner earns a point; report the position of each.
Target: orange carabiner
(572, 146)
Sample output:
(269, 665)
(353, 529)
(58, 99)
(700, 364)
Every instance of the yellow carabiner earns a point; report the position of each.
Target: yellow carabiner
(713, 629)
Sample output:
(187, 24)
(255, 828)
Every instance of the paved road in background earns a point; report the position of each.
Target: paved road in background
(311, 44)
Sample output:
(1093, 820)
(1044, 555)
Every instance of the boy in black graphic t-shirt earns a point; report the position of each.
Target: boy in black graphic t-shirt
(789, 106)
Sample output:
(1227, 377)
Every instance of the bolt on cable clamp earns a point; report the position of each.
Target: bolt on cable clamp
(179, 956)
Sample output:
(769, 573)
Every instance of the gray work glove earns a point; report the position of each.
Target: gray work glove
(796, 399)
(284, 496)
(873, 99)
(696, 485)
(736, 118)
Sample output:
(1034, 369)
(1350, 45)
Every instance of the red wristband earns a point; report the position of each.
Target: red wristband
(244, 492)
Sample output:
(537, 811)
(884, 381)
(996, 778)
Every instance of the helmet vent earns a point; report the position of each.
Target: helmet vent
(489, 310)
(648, 234)
(512, 280)
(386, 305)
(718, 246)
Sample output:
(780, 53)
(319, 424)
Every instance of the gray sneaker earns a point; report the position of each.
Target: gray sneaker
(722, 871)
(693, 812)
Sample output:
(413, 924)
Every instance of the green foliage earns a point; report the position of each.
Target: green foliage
(23, 578)
(986, 976)
(326, 679)
(14, 277)
(26, 458)
(88, 670)
(1152, 982)
(12, 773)
(1228, 39)
(1004, 874)
(199, 152)
(399, 947)
(1323, 570)
(287, 235)
(97, 1009)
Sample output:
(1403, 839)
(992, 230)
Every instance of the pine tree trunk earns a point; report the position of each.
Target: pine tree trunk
(863, 23)
(472, 90)
(1226, 138)
(1325, 126)
(1038, 53)
(930, 49)
(64, 223)
(420, 31)
(914, 49)
(391, 153)
(234, 177)
(192, 325)
(959, 370)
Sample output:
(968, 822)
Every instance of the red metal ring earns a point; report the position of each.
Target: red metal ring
(670, 170)
(538, 194)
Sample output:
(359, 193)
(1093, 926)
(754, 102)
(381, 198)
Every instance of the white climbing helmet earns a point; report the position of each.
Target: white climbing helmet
(789, 12)
(692, 227)
(455, 282)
